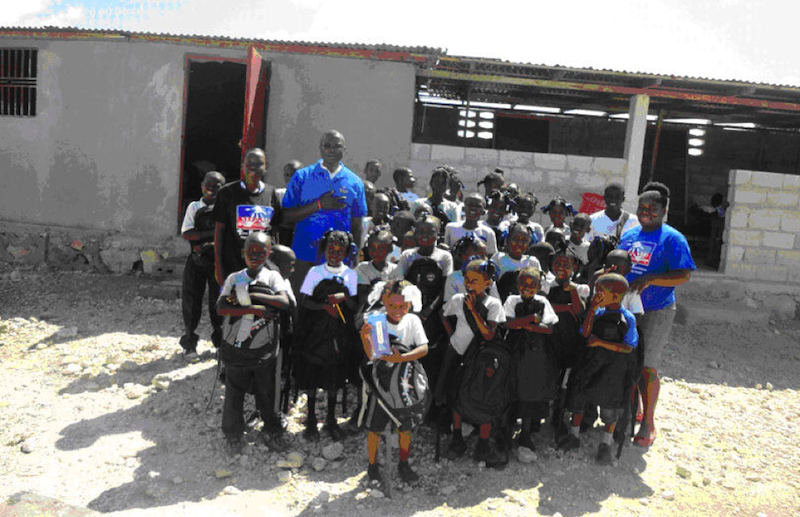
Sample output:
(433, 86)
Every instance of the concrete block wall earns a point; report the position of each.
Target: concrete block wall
(544, 174)
(762, 235)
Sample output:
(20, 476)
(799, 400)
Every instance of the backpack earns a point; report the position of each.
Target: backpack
(401, 389)
(507, 284)
(611, 327)
(263, 339)
(486, 385)
(320, 339)
(427, 275)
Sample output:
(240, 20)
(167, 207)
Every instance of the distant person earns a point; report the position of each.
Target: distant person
(491, 182)
(405, 182)
(613, 221)
(286, 230)
(198, 229)
(474, 208)
(323, 196)
(372, 171)
(444, 209)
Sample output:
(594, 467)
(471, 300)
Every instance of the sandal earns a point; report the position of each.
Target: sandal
(645, 441)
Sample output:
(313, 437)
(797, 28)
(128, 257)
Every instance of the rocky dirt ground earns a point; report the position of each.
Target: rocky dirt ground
(100, 411)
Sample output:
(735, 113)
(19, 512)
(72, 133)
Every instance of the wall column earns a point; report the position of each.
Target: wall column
(634, 147)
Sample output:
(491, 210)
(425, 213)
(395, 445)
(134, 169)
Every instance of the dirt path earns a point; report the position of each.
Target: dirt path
(99, 410)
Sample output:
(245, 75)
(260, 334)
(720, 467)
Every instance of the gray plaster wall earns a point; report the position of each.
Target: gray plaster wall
(103, 153)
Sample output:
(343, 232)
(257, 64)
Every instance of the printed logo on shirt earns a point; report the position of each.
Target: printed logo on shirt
(641, 253)
(253, 218)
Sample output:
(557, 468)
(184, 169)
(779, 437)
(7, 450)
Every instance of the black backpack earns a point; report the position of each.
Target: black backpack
(259, 346)
(486, 384)
(611, 327)
(427, 275)
(507, 284)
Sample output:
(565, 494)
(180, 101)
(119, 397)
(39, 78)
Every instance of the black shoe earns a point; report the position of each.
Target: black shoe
(311, 432)
(374, 478)
(189, 342)
(525, 440)
(457, 447)
(222, 371)
(216, 338)
(604, 456)
(569, 442)
(485, 453)
(275, 441)
(407, 475)
(334, 431)
(234, 444)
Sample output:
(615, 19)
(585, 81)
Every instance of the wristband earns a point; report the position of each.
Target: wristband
(319, 204)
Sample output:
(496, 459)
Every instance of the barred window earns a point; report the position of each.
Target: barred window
(18, 68)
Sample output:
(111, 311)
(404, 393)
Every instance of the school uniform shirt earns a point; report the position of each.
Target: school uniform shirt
(450, 209)
(409, 331)
(440, 256)
(308, 185)
(367, 273)
(198, 217)
(265, 277)
(549, 316)
(506, 263)
(603, 225)
(411, 197)
(537, 232)
(580, 250)
(631, 335)
(455, 231)
(633, 302)
(463, 335)
(244, 212)
(548, 282)
(322, 272)
(656, 252)
(455, 285)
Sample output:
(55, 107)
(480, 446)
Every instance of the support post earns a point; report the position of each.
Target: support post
(634, 147)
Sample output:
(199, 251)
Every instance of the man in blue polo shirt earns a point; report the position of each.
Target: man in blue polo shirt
(319, 197)
(661, 260)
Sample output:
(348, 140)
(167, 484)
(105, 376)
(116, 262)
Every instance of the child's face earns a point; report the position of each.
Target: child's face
(335, 253)
(610, 293)
(426, 235)
(473, 208)
(380, 207)
(255, 166)
(438, 184)
(255, 255)
(476, 281)
(563, 267)
(524, 210)
(497, 210)
(470, 251)
(396, 306)
(210, 190)
(400, 226)
(286, 266)
(613, 198)
(421, 212)
(378, 251)
(577, 230)
(557, 215)
(528, 285)
(518, 242)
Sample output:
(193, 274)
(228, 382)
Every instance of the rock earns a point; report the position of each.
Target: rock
(318, 464)
(153, 474)
(753, 477)
(177, 480)
(41, 346)
(135, 391)
(683, 472)
(668, 495)
(758, 386)
(769, 386)
(73, 369)
(525, 455)
(333, 451)
(129, 366)
(285, 476)
(26, 447)
(448, 490)
(706, 480)
(222, 473)
(67, 332)
(377, 494)
(644, 501)
(160, 383)
(15, 276)
(231, 490)
(294, 460)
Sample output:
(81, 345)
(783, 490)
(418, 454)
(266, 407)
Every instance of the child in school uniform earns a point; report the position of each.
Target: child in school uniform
(513, 258)
(378, 268)
(323, 343)
(559, 210)
(474, 208)
(568, 300)
(525, 208)
(487, 313)
(529, 318)
(605, 374)
(498, 205)
(398, 298)
(463, 250)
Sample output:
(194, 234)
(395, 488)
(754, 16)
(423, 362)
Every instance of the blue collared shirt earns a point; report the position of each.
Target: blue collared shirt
(308, 185)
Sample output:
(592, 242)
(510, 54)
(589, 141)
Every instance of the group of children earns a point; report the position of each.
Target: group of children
(557, 305)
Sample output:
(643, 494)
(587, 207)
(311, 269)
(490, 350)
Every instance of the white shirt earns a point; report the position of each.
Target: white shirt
(506, 263)
(191, 211)
(463, 335)
(455, 285)
(549, 316)
(580, 250)
(322, 272)
(265, 277)
(409, 331)
(603, 225)
(455, 231)
(367, 273)
(442, 257)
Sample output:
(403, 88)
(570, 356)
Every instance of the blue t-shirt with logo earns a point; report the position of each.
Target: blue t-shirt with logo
(656, 252)
(308, 185)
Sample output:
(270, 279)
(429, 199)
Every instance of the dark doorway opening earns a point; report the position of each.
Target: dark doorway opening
(213, 126)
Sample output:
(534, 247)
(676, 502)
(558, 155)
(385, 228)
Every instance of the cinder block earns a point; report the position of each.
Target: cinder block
(515, 159)
(578, 163)
(745, 238)
(445, 154)
(765, 220)
(482, 156)
(784, 241)
(609, 166)
(470, 175)
(797, 242)
(735, 254)
(794, 275)
(790, 222)
(559, 179)
(791, 182)
(590, 181)
(767, 179)
(788, 258)
(737, 270)
(421, 152)
(784, 199)
(772, 273)
(750, 197)
(739, 217)
(550, 161)
(740, 177)
(530, 178)
(759, 256)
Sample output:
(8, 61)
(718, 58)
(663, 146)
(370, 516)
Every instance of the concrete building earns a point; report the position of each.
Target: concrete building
(106, 134)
